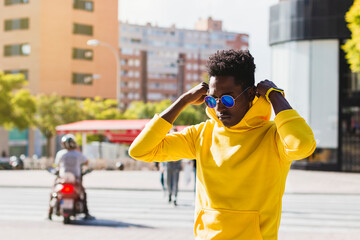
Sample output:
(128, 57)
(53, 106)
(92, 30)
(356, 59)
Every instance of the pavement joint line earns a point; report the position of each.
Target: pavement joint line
(99, 188)
(322, 193)
(184, 190)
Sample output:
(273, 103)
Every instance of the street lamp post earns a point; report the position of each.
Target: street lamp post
(95, 42)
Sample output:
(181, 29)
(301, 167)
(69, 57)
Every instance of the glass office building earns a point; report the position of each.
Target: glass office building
(307, 61)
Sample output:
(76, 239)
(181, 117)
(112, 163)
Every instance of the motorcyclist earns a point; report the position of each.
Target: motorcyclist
(69, 160)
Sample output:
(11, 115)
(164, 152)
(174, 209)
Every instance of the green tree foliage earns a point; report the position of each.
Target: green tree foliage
(190, 115)
(352, 46)
(17, 107)
(53, 110)
(101, 109)
(141, 110)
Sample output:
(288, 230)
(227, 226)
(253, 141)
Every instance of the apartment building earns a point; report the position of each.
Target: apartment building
(46, 41)
(160, 63)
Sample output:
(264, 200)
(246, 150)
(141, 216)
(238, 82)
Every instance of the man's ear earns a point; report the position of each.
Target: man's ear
(252, 93)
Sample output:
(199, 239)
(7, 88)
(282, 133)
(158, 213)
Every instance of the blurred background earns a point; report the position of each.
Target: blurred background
(100, 69)
(93, 67)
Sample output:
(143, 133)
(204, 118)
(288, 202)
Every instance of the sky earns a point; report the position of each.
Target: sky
(242, 16)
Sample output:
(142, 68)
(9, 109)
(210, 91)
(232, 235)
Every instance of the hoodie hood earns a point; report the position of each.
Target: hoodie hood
(257, 116)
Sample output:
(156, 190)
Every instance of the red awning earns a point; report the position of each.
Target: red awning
(118, 131)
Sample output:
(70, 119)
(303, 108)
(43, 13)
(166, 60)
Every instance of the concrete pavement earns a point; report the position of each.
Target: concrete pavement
(299, 181)
(312, 187)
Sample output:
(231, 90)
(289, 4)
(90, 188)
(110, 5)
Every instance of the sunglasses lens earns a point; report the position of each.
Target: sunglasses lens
(210, 101)
(228, 101)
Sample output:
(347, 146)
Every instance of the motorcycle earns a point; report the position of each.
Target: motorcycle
(67, 196)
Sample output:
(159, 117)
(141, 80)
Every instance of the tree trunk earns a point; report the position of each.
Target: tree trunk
(48, 144)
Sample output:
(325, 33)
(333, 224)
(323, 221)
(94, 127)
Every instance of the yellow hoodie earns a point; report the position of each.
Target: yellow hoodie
(241, 170)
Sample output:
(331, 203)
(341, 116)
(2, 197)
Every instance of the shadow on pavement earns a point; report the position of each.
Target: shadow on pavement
(106, 223)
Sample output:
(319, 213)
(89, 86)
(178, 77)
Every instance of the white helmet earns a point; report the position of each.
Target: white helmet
(68, 141)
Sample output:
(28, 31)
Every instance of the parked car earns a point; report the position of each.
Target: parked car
(5, 164)
(16, 163)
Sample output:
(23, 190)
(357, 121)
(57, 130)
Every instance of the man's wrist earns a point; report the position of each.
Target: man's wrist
(273, 90)
(273, 94)
(172, 112)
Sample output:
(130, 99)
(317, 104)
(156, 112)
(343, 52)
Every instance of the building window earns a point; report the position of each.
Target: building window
(11, 2)
(82, 78)
(23, 71)
(83, 5)
(124, 73)
(231, 37)
(85, 54)
(82, 29)
(135, 40)
(127, 51)
(13, 24)
(17, 50)
(155, 96)
(245, 39)
(124, 62)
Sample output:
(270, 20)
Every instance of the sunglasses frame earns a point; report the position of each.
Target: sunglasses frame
(221, 99)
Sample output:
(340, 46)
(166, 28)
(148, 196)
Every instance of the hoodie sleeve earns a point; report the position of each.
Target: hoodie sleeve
(295, 139)
(154, 144)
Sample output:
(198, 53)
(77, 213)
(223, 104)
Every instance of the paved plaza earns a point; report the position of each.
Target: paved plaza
(130, 205)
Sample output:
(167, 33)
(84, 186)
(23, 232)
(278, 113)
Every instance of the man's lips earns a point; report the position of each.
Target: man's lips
(223, 116)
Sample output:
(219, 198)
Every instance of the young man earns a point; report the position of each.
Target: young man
(242, 157)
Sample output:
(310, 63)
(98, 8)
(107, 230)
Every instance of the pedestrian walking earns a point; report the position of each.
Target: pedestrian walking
(194, 167)
(172, 179)
(242, 157)
(161, 168)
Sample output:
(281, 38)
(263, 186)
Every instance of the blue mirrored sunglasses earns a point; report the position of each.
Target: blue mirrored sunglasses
(227, 100)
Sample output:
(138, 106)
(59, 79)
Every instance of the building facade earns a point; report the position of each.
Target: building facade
(46, 41)
(308, 62)
(160, 63)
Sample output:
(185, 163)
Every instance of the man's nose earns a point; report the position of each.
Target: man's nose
(219, 105)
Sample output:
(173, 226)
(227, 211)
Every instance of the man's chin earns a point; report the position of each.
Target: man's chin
(227, 122)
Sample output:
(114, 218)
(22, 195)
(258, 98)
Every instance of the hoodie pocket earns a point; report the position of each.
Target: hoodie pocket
(221, 224)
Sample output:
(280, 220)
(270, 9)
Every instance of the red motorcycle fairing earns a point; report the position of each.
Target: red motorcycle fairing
(68, 197)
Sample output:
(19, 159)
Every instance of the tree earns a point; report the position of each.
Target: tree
(101, 109)
(53, 110)
(352, 46)
(192, 114)
(141, 110)
(17, 107)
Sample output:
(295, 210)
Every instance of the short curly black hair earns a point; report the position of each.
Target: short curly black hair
(236, 63)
